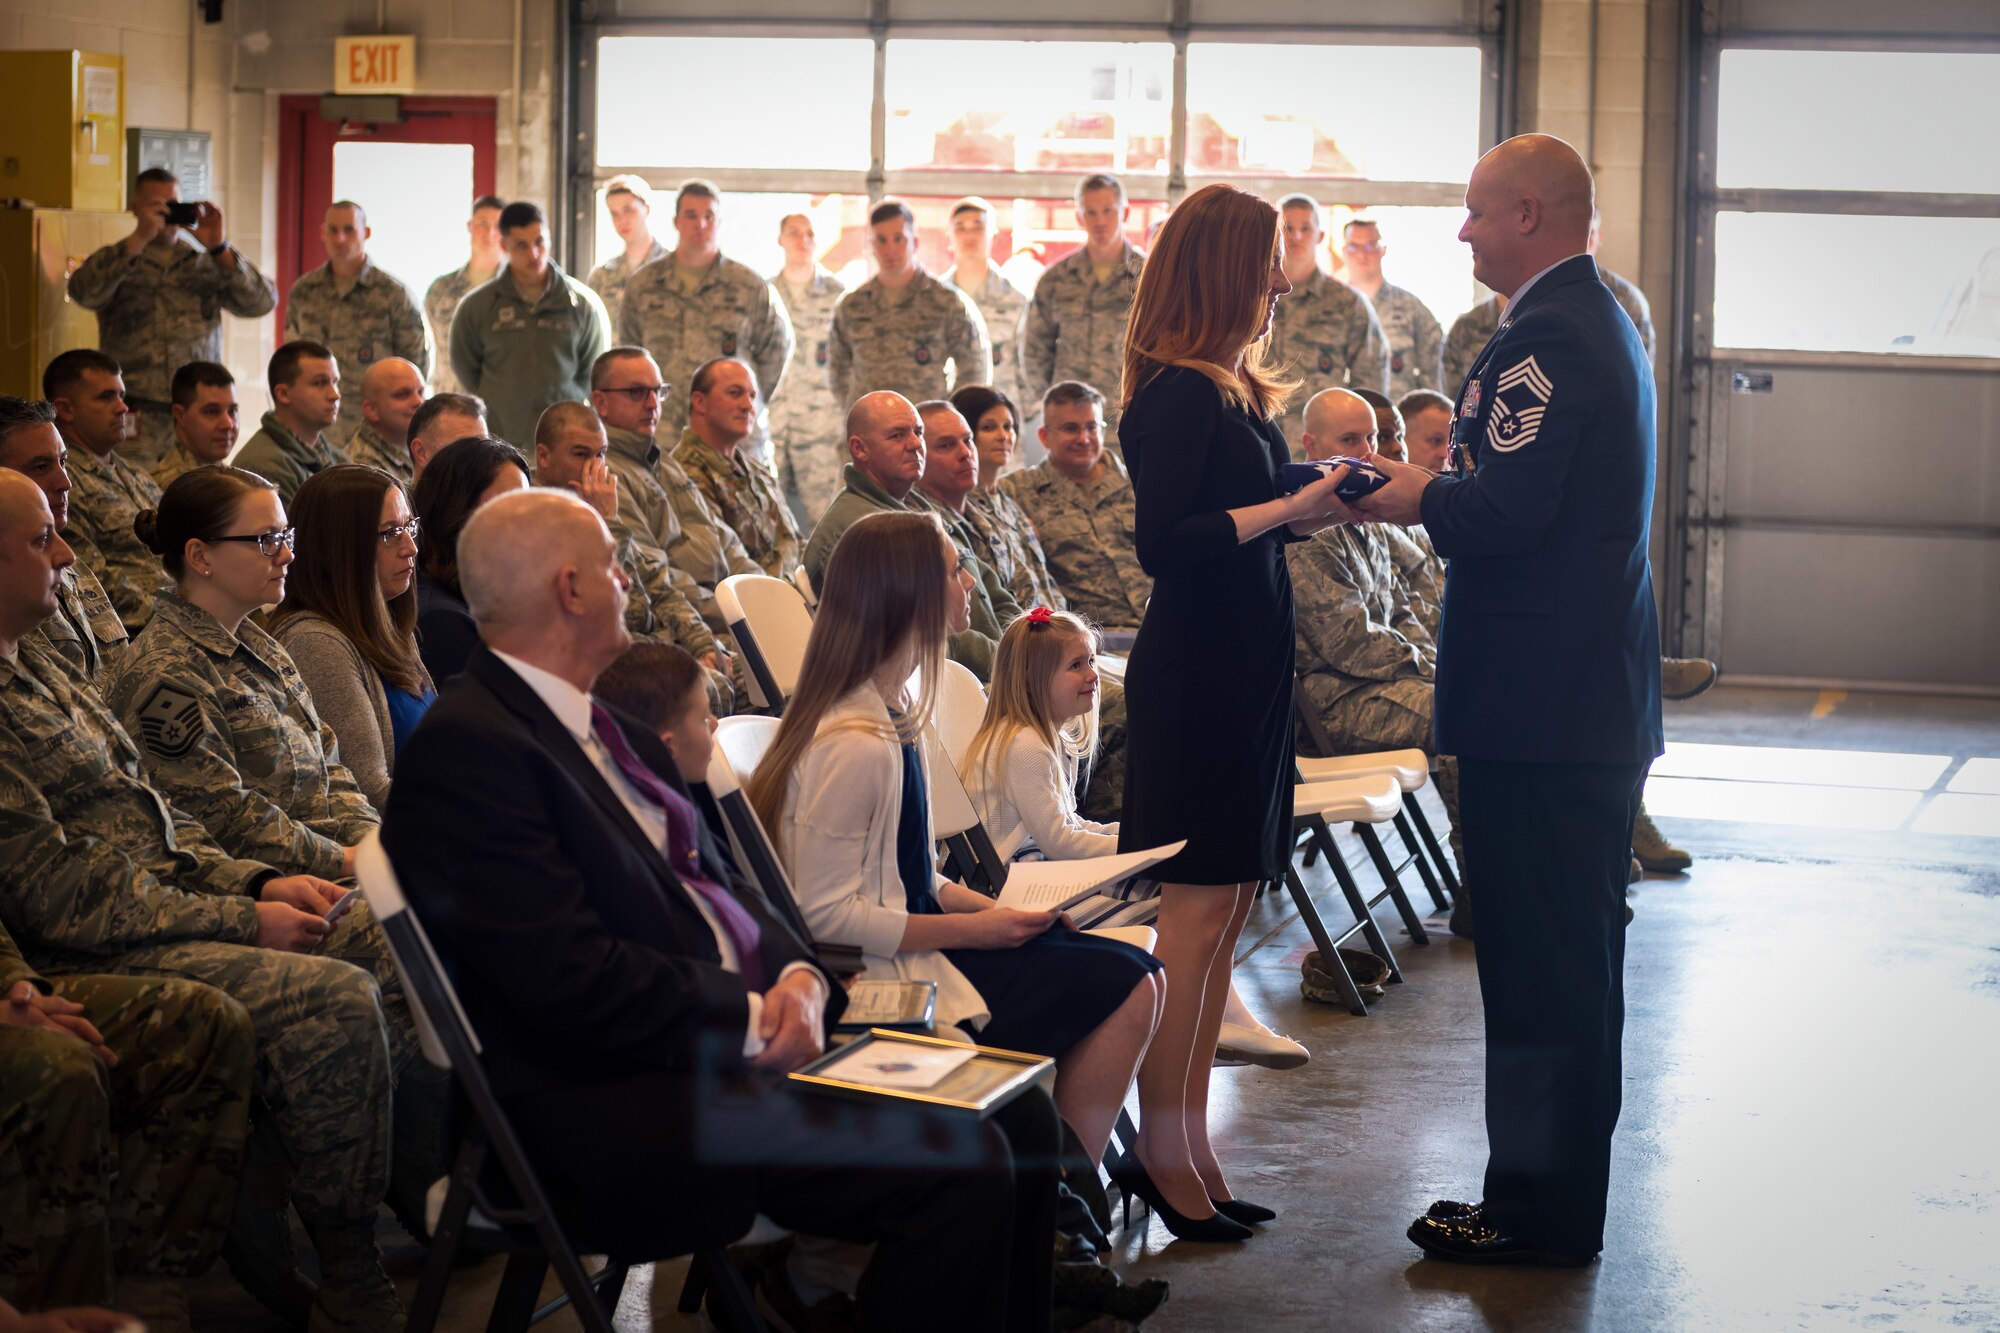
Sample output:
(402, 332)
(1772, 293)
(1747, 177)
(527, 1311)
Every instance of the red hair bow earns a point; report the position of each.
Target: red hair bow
(1040, 617)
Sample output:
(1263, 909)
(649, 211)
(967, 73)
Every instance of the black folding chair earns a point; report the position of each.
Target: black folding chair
(468, 1218)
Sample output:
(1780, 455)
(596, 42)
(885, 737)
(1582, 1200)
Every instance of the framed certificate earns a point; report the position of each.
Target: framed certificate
(930, 1070)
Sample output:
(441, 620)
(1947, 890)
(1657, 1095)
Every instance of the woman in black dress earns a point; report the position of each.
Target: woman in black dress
(1209, 686)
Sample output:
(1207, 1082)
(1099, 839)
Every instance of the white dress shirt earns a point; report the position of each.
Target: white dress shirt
(571, 707)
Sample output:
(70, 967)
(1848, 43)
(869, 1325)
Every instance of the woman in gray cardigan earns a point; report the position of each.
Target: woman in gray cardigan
(349, 616)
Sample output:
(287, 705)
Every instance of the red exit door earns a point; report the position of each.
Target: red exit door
(415, 179)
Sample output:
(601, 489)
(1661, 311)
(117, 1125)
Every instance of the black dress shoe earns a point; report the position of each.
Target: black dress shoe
(1451, 1210)
(1245, 1212)
(1470, 1240)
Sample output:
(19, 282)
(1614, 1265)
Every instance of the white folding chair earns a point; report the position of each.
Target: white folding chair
(803, 582)
(461, 1215)
(744, 740)
(770, 621)
(1411, 769)
(961, 708)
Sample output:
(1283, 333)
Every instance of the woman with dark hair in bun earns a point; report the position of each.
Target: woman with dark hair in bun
(222, 719)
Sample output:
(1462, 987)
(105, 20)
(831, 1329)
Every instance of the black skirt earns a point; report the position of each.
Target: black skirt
(1052, 992)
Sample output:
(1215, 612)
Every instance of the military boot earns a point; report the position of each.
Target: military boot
(355, 1295)
(1653, 850)
(259, 1249)
(160, 1303)
(1685, 677)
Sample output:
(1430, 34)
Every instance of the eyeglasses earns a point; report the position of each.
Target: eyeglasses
(395, 532)
(643, 393)
(1363, 248)
(267, 543)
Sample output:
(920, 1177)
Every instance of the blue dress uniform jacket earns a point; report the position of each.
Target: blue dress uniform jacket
(1550, 646)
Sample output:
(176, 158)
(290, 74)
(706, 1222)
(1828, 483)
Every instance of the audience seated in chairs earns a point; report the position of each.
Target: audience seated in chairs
(637, 1015)
(1009, 542)
(349, 617)
(456, 480)
(845, 789)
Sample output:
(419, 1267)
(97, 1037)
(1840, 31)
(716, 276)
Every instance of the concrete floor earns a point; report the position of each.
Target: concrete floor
(1812, 1053)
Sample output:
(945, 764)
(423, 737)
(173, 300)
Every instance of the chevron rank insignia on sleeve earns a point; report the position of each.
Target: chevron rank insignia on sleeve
(170, 722)
(1520, 397)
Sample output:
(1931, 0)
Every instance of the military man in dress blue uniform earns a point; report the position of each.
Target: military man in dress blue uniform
(1548, 691)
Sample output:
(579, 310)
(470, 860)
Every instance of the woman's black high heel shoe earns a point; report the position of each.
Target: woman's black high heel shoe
(1248, 1214)
(1133, 1178)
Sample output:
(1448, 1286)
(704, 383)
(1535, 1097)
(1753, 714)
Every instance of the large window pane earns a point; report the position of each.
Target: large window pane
(676, 101)
(1422, 253)
(1380, 112)
(746, 226)
(1787, 280)
(404, 188)
(1858, 120)
(1027, 236)
(1029, 106)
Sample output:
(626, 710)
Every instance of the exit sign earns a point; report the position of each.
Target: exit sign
(375, 64)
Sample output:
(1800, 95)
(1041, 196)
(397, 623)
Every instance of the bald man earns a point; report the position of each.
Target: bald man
(1548, 691)
(391, 392)
(640, 1006)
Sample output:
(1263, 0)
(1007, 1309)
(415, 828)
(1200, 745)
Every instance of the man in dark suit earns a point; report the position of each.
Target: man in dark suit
(1548, 691)
(638, 1015)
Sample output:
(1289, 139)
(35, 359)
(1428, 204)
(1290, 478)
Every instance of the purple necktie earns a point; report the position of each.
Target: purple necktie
(683, 846)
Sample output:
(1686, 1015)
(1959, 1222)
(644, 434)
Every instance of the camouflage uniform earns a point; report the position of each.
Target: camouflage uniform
(730, 313)
(1416, 342)
(1637, 308)
(1326, 336)
(440, 305)
(901, 341)
(808, 425)
(609, 279)
(1001, 305)
(521, 357)
(283, 459)
(170, 1117)
(665, 512)
(106, 494)
(746, 498)
(1007, 541)
(1366, 663)
(99, 872)
(228, 733)
(656, 611)
(367, 446)
(1075, 330)
(1470, 333)
(85, 632)
(172, 464)
(1088, 532)
(1421, 571)
(375, 317)
(157, 311)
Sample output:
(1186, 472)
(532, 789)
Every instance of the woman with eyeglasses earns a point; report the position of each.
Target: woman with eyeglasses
(223, 721)
(349, 618)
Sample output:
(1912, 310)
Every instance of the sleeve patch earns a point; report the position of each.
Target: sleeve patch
(170, 721)
(1520, 398)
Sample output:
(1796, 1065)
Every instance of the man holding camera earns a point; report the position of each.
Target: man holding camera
(159, 295)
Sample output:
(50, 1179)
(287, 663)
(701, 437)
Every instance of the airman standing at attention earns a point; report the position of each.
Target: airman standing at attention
(1326, 334)
(442, 298)
(1001, 304)
(808, 443)
(107, 492)
(1075, 325)
(629, 200)
(357, 311)
(290, 444)
(1416, 343)
(697, 304)
(722, 407)
(159, 298)
(897, 331)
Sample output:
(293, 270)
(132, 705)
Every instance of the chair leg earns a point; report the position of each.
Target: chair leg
(1364, 917)
(729, 1302)
(696, 1285)
(1329, 951)
(1438, 858)
(449, 1235)
(514, 1302)
(1416, 851)
(599, 1295)
(1393, 883)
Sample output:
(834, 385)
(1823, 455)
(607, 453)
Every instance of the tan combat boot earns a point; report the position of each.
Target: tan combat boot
(1652, 850)
(1685, 677)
